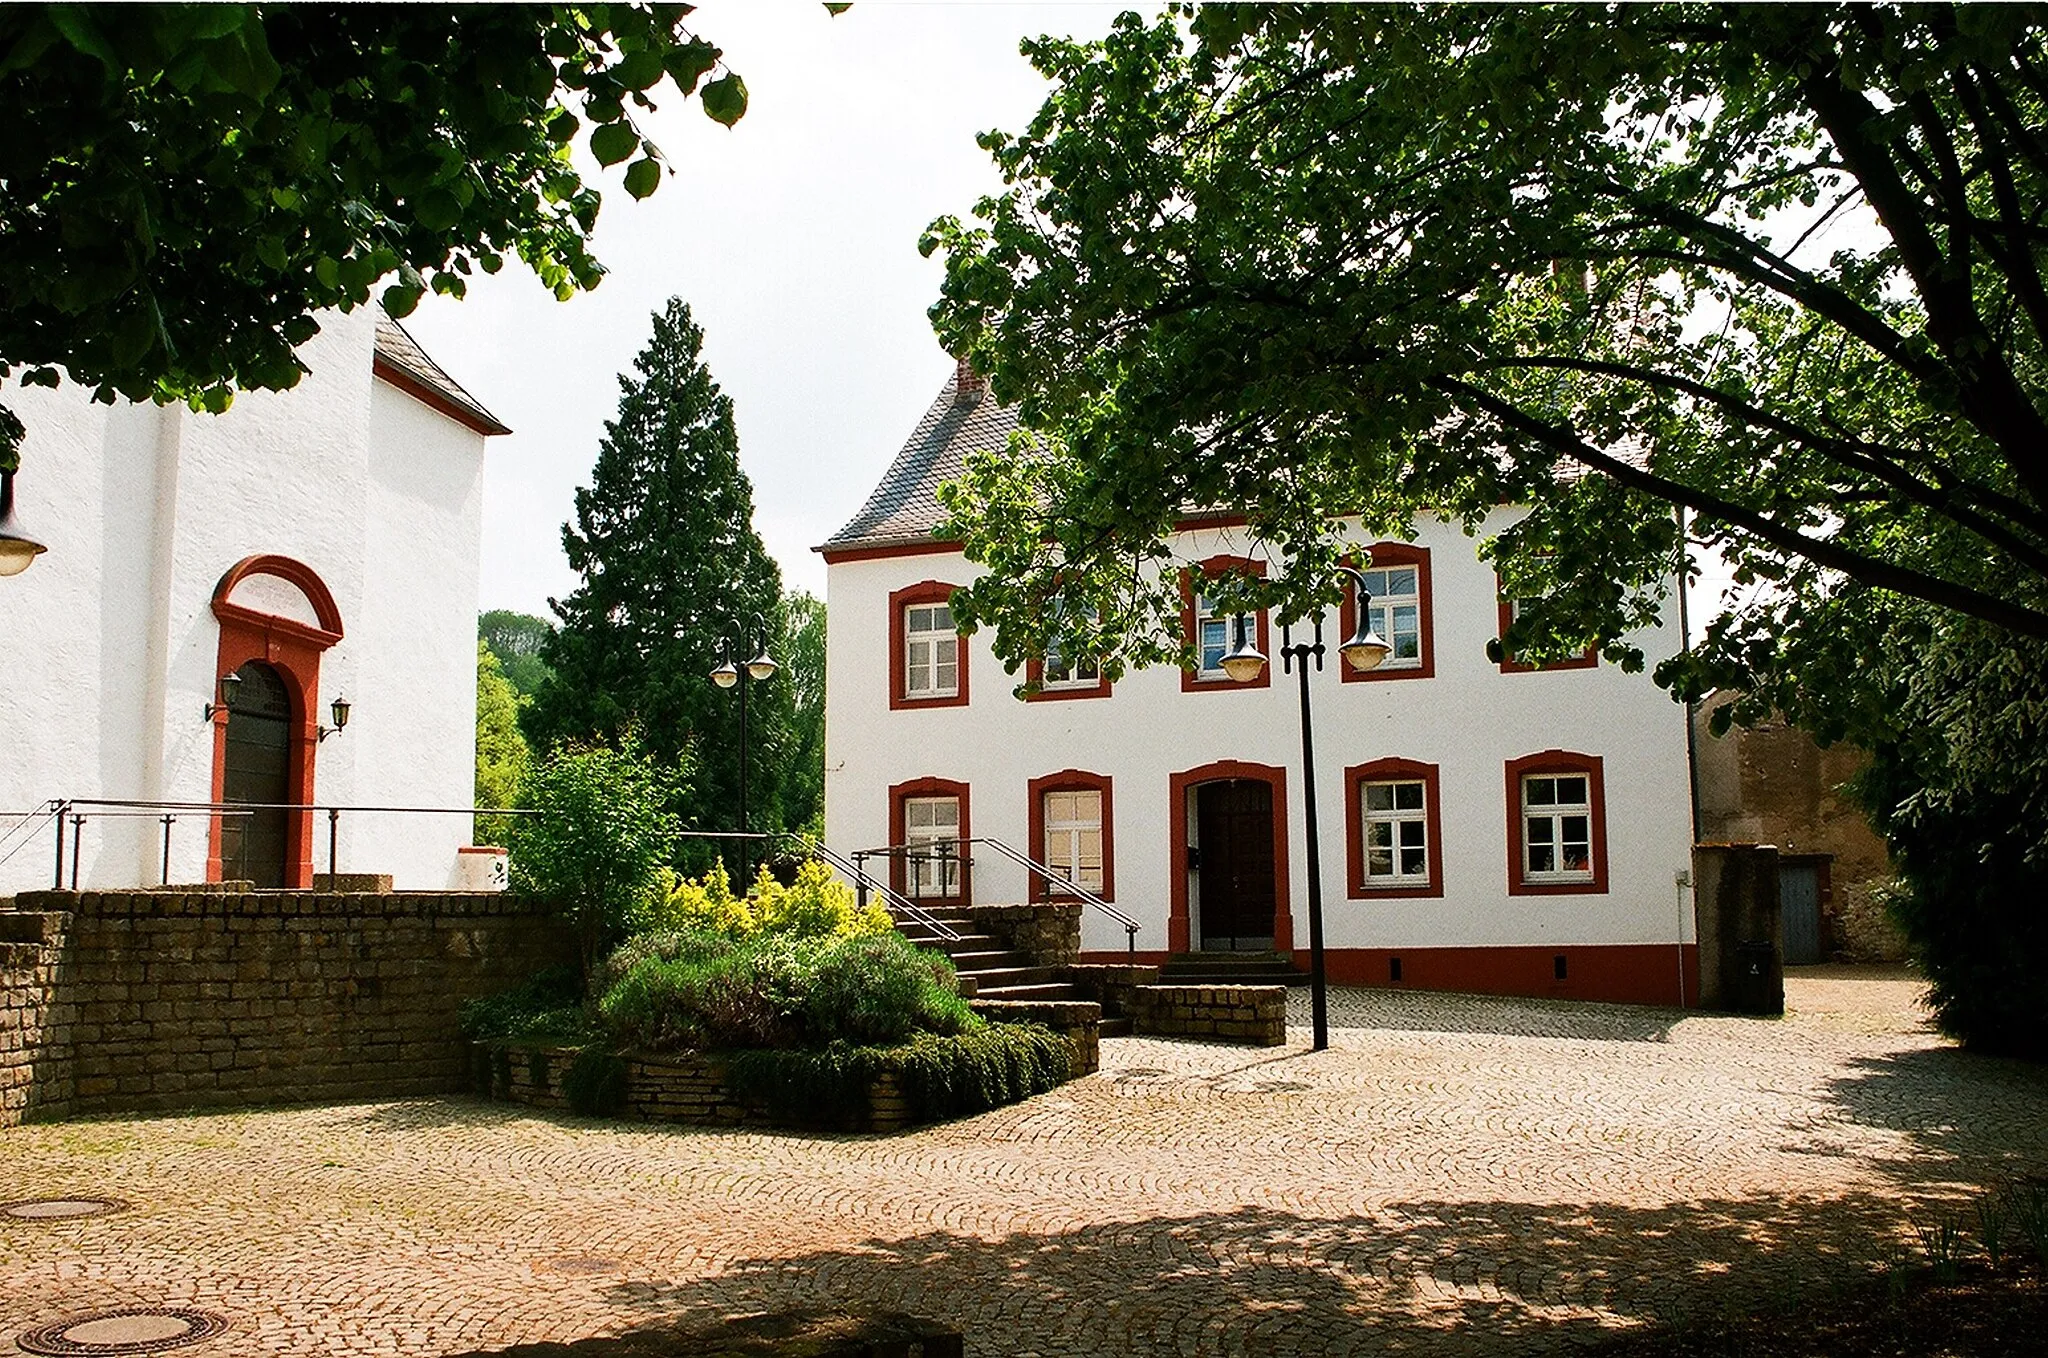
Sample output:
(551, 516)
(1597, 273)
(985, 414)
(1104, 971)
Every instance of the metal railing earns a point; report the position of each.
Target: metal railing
(78, 810)
(864, 882)
(1065, 885)
(945, 855)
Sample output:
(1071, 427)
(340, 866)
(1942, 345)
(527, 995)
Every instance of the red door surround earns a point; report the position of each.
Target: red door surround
(293, 649)
(1177, 930)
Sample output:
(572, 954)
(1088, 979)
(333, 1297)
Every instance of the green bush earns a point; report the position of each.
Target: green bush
(878, 990)
(595, 1082)
(942, 1076)
(547, 1007)
(598, 844)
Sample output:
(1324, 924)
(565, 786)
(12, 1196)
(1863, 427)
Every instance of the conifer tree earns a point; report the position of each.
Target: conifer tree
(672, 569)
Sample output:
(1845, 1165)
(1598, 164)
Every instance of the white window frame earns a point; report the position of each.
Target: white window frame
(1063, 838)
(921, 877)
(1388, 604)
(921, 676)
(1553, 814)
(1394, 818)
(1205, 613)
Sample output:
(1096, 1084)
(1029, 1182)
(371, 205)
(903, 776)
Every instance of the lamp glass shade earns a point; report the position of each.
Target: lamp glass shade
(1365, 649)
(340, 711)
(762, 665)
(17, 549)
(1246, 663)
(230, 685)
(726, 675)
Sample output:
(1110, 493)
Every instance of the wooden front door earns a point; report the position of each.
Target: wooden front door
(252, 844)
(1234, 864)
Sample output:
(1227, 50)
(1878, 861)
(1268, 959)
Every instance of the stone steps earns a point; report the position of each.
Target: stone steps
(986, 970)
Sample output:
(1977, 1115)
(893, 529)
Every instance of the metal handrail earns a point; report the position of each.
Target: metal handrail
(1066, 884)
(864, 882)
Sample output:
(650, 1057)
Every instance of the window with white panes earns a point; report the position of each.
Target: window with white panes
(1395, 821)
(931, 652)
(1066, 667)
(1397, 613)
(1073, 836)
(931, 842)
(1557, 828)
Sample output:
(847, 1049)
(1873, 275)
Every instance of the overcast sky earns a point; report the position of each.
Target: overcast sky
(793, 237)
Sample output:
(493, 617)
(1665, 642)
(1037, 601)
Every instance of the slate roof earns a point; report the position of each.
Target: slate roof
(399, 354)
(905, 506)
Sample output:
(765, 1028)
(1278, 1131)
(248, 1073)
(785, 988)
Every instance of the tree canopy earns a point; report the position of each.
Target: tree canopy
(187, 185)
(673, 574)
(515, 640)
(1778, 267)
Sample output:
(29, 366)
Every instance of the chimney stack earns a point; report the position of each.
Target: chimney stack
(967, 383)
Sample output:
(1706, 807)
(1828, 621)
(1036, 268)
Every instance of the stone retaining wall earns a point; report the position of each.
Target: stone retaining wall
(1049, 934)
(1078, 1021)
(1109, 984)
(684, 1088)
(144, 1000)
(1254, 1015)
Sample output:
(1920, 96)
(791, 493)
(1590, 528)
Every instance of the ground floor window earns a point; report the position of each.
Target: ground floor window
(1395, 829)
(1070, 832)
(928, 826)
(1557, 824)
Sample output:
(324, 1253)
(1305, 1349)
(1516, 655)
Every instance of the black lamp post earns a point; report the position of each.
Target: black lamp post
(730, 675)
(1363, 650)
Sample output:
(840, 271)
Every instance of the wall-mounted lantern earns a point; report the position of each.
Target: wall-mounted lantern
(230, 684)
(339, 710)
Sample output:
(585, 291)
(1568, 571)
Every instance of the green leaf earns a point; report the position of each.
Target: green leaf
(643, 177)
(437, 210)
(836, 10)
(562, 127)
(81, 29)
(725, 99)
(639, 70)
(400, 299)
(689, 63)
(613, 142)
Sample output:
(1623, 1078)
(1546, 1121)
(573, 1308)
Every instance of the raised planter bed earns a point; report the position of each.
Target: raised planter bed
(1254, 1015)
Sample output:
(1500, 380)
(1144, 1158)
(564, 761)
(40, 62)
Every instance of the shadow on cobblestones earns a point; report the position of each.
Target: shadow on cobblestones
(1432, 1012)
(1952, 1104)
(1418, 1277)
(455, 1110)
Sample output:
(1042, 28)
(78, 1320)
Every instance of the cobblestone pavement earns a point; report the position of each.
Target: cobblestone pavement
(1456, 1175)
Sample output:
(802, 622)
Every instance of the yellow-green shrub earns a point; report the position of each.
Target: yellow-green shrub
(816, 905)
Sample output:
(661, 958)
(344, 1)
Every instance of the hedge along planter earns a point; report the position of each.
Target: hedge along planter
(836, 1089)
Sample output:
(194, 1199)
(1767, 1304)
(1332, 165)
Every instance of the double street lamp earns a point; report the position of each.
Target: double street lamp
(1363, 650)
(731, 675)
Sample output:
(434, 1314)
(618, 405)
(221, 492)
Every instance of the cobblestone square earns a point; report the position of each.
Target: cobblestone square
(1457, 1175)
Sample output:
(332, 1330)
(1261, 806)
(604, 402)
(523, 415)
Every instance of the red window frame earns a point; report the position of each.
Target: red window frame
(1510, 665)
(923, 592)
(901, 793)
(1394, 554)
(1390, 770)
(1191, 681)
(1034, 675)
(1558, 761)
(1071, 780)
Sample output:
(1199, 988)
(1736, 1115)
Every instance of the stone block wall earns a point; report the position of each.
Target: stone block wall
(175, 999)
(684, 1088)
(1078, 1021)
(1252, 1015)
(1109, 984)
(1049, 934)
(35, 1026)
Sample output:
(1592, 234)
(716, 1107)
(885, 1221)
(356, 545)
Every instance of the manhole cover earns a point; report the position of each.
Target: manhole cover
(580, 1263)
(106, 1333)
(61, 1209)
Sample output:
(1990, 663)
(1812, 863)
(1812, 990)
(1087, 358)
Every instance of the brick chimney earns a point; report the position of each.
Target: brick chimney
(968, 384)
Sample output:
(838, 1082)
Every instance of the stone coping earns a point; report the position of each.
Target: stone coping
(162, 903)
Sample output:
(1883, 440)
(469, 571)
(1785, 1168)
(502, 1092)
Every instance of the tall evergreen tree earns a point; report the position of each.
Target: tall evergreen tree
(672, 571)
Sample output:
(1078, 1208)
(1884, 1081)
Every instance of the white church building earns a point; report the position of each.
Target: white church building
(1484, 827)
(272, 608)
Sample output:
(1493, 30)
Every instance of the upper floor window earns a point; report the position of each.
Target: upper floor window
(1212, 633)
(928, 656)
(1066, 670)
(1399, 583)
(1395, 829)
(1557, 824)
(1510, 609)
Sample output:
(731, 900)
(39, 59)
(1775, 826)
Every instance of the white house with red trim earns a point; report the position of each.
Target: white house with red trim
(1484, 827)
(318, 544)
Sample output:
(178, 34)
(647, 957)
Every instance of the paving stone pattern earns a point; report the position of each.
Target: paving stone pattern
(1457, 1175)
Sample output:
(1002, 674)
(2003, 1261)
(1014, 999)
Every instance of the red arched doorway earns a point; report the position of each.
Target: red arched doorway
(1220, 807)
(275, 613)
(258, 775)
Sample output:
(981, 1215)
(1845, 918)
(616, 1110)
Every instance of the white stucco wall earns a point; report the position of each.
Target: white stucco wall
(110, 642)
(1470, 719)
